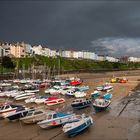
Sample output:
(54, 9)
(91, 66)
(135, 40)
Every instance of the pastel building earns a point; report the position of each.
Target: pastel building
(101, 58)
(17, 50)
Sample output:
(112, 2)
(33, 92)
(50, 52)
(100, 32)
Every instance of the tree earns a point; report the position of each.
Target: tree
(7, 63)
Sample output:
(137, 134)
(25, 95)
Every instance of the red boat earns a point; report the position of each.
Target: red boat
(54, 100)
(42, 85)
(75, 82)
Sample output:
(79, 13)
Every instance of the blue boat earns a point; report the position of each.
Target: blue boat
(107, 96)
(101, 104)
(95, 94)
(81, 103)
(78, 125)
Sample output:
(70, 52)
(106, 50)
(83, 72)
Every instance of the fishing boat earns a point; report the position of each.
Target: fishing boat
(52, 100)
(107, 96)
(6, 109)
(81, 103)
(56, 119)
(101, 104)
(95, 94)
(34, 116)
(24, 96)
(20, 112)
(78, 125)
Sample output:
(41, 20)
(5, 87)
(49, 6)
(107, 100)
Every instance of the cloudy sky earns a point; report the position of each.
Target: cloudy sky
(105, 26)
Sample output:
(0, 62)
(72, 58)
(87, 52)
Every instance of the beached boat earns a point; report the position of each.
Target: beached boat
(31, 99)
(40, 99)
(24, 96)
(79, 94)
(53, 91)
(55, 119)
(108, 88)
(20, 112)
(101, 104)
(75, 82)
(100, 88)
(31, 91)
(52, 100)
(78, 125)
(6, 109)
(34, 116)
(70, 93)
(83, 88)
(107, 96)
(81, 103)
(95, 94)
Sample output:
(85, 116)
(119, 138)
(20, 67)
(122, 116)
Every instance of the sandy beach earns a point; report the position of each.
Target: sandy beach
(120, 121)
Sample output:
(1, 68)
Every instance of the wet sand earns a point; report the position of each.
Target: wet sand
(120, 121)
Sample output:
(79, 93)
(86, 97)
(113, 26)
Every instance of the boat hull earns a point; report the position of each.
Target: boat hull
(79, 129)
(98, 108)
(81, 105)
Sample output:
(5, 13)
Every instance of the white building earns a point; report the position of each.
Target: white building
(46, 52)
(133, 59)
(101, 58)
(37, 50)
(53, 53)
(111, 59)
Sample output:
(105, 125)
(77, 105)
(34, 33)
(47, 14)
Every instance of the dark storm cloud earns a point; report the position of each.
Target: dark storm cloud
(67, 24)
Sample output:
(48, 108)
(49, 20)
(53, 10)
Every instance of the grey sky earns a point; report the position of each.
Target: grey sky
(80, 25)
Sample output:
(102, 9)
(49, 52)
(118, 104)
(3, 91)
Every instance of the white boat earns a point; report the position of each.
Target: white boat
(31, 99)
(52, 100)
(77, 125)
(16, 93)
(5, 84)
(56, 119)
(23, 96)
(79, 94)
(40, 99)
(31, 91)
(53, 91)
(7, 109)
(34, 116)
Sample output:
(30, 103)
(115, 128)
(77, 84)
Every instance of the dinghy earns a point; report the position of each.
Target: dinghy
(101, 104)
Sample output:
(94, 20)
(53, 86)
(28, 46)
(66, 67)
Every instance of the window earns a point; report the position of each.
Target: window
(54, 115)
(38, 112)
